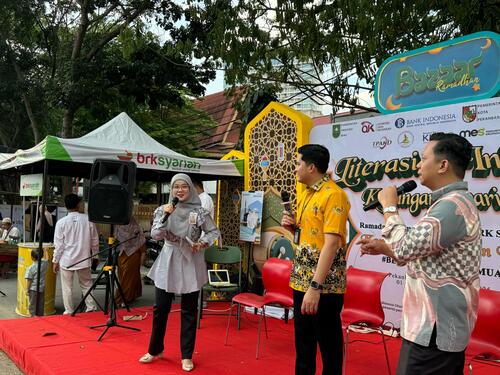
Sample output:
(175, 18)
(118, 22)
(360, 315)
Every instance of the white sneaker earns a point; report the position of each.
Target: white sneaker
(67, 312)
(92, 309)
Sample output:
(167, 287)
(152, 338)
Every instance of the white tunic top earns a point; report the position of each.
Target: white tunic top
(75, 238)
(178, 269)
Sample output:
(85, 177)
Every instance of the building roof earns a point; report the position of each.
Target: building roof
(224, 136)
(343, 116)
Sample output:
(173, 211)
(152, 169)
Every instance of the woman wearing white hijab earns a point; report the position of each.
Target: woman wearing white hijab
(180, 268)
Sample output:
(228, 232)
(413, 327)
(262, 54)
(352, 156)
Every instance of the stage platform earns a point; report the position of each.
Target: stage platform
(59, 345)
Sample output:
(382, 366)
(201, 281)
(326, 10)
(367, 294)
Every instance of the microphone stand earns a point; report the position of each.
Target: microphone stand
(108, 271)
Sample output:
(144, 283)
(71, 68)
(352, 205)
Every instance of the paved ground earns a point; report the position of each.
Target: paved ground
(8, 303)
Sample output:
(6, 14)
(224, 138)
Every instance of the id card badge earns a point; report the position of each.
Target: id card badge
(296, 236)
(193, 217)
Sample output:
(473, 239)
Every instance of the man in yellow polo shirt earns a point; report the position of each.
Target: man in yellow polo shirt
(319, 267)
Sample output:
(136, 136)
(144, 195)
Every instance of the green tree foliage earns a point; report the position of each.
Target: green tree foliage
(19, 74)
(344, 41)
(69, 66)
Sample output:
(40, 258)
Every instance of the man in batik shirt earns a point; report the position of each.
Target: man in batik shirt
(319, 265)
(442, 252)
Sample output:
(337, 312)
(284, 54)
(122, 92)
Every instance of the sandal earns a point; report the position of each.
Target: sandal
(187, 365)
(148, 358)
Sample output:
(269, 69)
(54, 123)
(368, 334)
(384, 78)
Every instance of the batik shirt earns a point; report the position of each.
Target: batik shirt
(442, 252)
(321, 209)
(130, 237)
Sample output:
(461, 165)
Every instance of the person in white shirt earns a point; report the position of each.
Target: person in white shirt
(10, 232)
(206, 200)
(75, 239)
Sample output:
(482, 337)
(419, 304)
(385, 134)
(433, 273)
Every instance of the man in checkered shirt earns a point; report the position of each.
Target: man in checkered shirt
(442, 252)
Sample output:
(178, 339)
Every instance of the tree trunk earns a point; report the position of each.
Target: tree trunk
(69, 116)
(24, 95)
(66, 186)
(33, 121)
(67, 132)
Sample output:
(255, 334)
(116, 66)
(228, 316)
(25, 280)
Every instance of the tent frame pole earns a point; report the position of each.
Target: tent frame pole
(40, 239)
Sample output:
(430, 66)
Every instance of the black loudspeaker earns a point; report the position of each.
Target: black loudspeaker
(112, 185)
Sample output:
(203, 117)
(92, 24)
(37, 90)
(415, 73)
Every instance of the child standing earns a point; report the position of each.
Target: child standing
(31, 281)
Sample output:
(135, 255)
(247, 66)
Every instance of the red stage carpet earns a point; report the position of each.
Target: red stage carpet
(65, 345)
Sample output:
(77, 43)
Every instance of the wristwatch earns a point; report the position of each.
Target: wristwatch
(316, 285)
(391, 209)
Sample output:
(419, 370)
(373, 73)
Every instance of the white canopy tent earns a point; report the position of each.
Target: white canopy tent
(119, 139)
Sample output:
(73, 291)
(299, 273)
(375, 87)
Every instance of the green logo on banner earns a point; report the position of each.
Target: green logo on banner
(336, 130)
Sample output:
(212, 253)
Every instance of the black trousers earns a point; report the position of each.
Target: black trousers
(323, 328)
(415, 359)
(189, 311)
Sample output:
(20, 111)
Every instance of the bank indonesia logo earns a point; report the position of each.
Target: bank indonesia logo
(469, 113)
(400, 122)
(405, 139)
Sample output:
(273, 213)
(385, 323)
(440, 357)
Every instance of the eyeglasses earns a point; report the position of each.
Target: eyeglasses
(181, 187)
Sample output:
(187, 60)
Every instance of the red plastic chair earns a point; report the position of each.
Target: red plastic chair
(362, 305)
(276, 278)
(485, 339)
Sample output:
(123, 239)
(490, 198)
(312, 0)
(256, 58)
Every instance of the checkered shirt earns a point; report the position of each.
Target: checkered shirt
(442, 252)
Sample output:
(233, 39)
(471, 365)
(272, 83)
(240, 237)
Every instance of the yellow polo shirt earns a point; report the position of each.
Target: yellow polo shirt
(322, 208)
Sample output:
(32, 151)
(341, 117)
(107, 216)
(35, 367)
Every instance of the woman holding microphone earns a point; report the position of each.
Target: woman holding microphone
(187, 229)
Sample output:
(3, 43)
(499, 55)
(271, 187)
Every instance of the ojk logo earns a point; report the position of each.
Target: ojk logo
(399, 123)
(367, 127)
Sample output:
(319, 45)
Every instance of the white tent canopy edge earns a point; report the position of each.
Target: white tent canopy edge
(120, 139)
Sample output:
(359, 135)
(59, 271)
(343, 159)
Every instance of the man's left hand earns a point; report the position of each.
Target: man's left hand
(373, 246)
(310, 302)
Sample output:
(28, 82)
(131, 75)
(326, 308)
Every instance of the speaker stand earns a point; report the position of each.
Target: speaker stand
(109, 271)
(111, 278)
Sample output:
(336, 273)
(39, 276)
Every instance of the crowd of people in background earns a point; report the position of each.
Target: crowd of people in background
(9, 233)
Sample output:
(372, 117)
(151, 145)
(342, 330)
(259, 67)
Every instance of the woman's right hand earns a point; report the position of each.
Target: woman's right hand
(168, 208)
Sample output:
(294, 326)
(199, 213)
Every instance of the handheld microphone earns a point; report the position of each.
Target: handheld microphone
(405, 188)
(175, 200)
(285, 197)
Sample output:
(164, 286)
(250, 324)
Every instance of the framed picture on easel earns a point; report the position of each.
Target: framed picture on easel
(251, 216)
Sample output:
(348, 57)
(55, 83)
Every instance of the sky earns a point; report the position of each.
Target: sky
(217, 84)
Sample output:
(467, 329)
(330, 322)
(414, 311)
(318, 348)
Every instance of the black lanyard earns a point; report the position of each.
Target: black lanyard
(304, 208)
